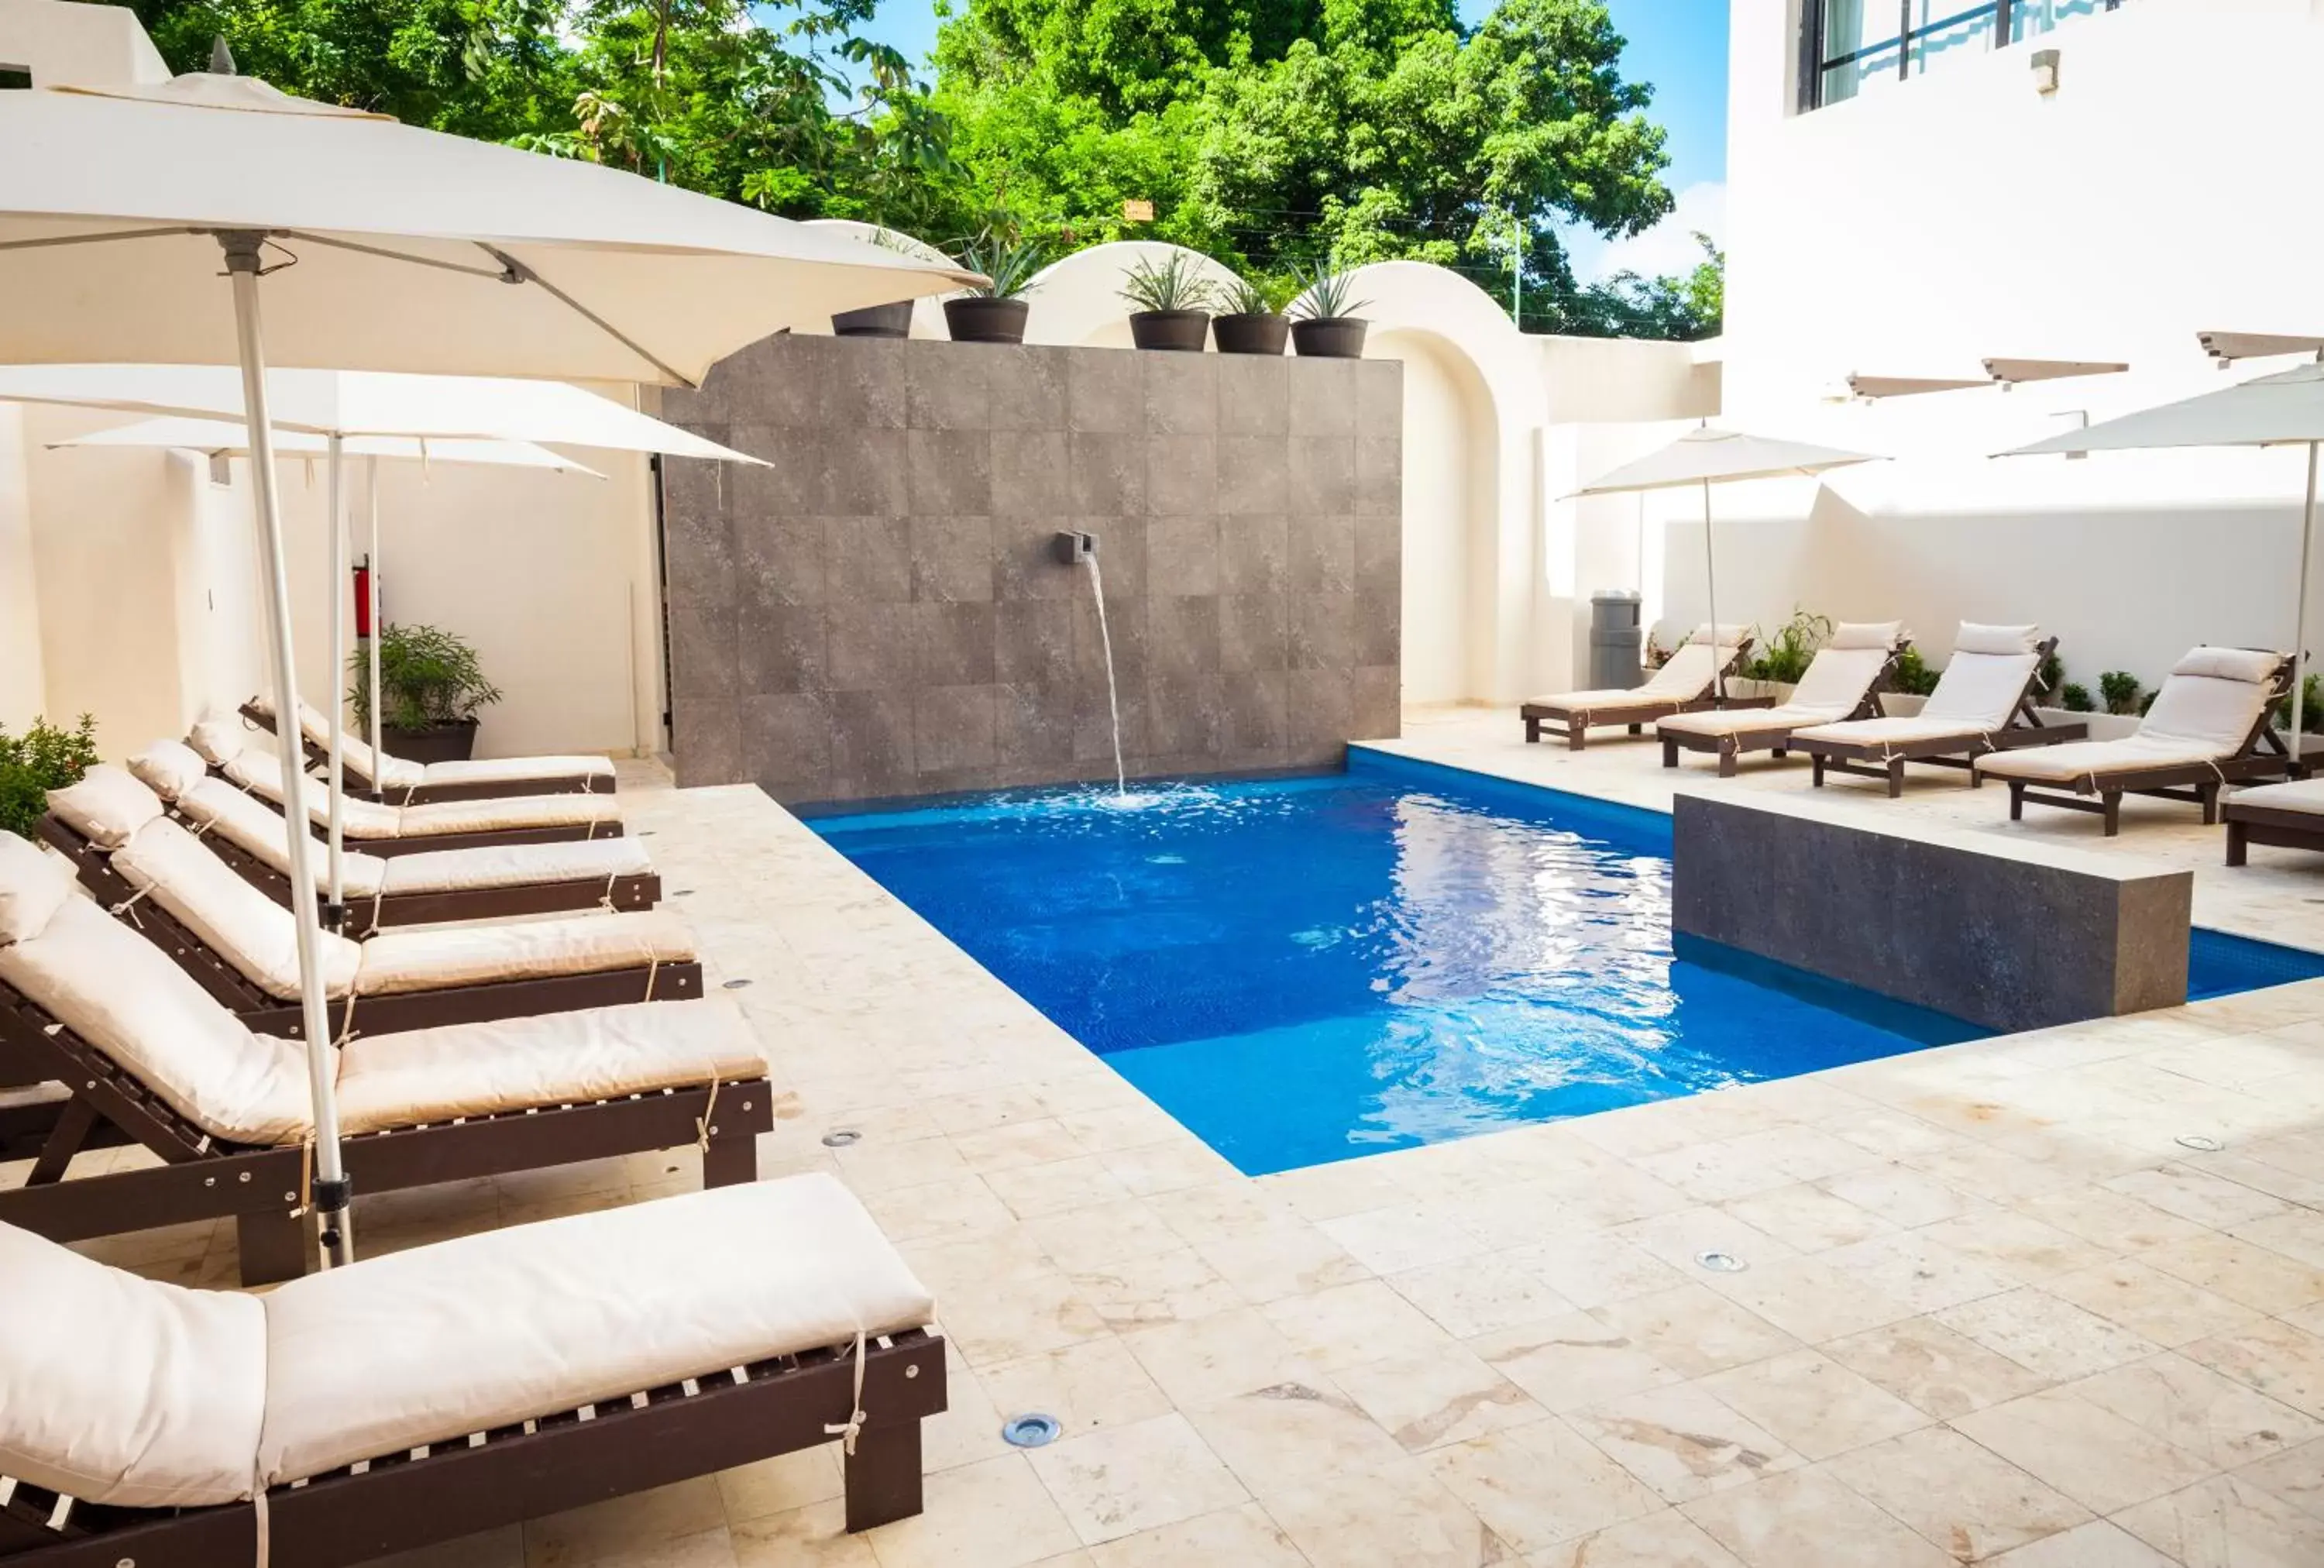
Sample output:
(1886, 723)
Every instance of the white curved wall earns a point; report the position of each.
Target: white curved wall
(1077, 299)
(1450, 481)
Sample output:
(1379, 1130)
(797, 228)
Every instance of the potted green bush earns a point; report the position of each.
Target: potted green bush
(1251, 322)
(433, 685)
(995, 312)
(44, 758)
(1174, 303)
(1324, 323)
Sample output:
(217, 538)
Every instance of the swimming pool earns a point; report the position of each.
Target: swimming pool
(1304, 969)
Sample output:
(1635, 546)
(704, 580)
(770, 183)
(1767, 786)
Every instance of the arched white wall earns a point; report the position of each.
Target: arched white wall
(928, 312)
(1450, 519)
(1078, 301)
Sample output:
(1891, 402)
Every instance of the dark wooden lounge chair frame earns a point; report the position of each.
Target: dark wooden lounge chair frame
(565, 833)
(1776, 742)
(390, 1013)
(2263, 755)
(1541, 716)
(202, 1177)
(361, 783)
(1887, 759)
(2251, 824)
(560, 1460)
(368, 916)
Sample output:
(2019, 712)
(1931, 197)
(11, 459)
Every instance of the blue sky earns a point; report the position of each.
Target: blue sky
(1678, 45)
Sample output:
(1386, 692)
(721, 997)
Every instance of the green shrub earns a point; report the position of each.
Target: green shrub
(1786, 655)
(2051, 674)
(2119, 689)
(1914, 676)
(2312, 708)
(431, 680)
(44, 758)
(2075, 698)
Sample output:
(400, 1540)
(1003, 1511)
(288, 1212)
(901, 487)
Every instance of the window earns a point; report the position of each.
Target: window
(1854, 46)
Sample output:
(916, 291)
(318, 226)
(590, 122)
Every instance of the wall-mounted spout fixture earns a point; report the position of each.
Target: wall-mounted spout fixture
(1075, 549)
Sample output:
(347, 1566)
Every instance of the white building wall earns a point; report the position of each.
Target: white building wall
(1930, 224)
(23, 683)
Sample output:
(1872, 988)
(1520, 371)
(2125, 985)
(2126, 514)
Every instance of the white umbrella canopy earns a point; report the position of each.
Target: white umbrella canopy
(358, 403)
(229, 438)
(1708, 456)
(473, 258)
(2282, 409)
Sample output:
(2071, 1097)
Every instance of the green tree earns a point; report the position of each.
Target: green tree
(1689, 307)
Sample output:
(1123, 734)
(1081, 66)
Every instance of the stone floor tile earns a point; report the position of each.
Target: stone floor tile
(1428, 1399)
(1817, 1406)
(1809, 1519)
(1808, 1298)
(2197, 1197)
(1805, 1216)
(620, 1526)
(2228, 1523)
(501, 1548)
(779, 1485)
(1279, 1260)
(2282, 1360)
(1593, 1270)
(1682, 1442)
(2296, 1475)
(2192, 1407)
(2092, 1455)
(1682, 1236)
(1034, 1140)
(1126, 1479)
(1956, 1494)
(2110, 1218)
(1539, 1484)
(2258, 1276)
(2050, 1336)
(1288, 1435)
(2099, 1544)
(1402, 1517)
(995, 1514)
(1917, 1271)
(1028, 1313)
(1694, 1331)
(1059, 1185)
(1666, 1540)
(1209, 1358)
(1934, 1368)
(1166, 1287)
(1475, 1296)
(1573, 1360)
(1407, 1236)
(2150, 1302)
(1904, 1197)
(1352, 1324)
(1100, 1235)
(1238, 1538)
(811, 1536)
(1087, 1387)
(1171, 1165)
(2026, 1250)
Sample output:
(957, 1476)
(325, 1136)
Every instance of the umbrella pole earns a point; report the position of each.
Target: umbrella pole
(371, 591)
(331, 1188)
(334, 910)
(2300, 618)
(1711, 580)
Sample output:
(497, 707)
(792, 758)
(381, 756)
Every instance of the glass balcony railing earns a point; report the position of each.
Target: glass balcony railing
(1855, 46)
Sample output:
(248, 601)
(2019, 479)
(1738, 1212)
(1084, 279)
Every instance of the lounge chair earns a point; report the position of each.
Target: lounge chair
(2208, 728)
(1840, 684)
(1684, 684)
(241, 947)
(396, 830)
(1983, 702)
(408, 783)
(2287, 815)
(145, 1053)
(421, 1396)
(444, 885)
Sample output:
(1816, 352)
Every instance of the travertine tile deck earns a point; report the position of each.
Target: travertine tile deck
(1994, 1310)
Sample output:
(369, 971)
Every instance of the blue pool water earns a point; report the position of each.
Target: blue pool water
(1303, 969)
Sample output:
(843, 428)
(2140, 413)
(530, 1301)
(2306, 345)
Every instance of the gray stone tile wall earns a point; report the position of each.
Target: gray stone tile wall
(882, 611)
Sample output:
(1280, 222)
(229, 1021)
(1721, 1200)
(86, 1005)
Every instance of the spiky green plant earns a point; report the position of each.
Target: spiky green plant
(1175, 284)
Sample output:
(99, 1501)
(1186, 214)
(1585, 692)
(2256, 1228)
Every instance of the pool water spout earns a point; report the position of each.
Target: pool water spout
(1080, 549)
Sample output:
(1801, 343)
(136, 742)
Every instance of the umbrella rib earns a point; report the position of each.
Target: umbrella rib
(498, 275)
(524, 274)
(91, 239)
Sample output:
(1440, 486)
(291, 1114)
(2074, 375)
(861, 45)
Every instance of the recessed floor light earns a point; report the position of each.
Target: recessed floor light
(1034, 1430)
(842, 1138)
(2197, 1141)
(1721, 1263)
(736, 984)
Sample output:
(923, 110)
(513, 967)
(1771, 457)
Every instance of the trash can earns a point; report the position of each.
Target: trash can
(1616, 640)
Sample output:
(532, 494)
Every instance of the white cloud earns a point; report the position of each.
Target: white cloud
(1669, 248)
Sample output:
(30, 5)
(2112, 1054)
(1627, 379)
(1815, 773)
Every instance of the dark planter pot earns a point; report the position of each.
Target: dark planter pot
(979, 319)
(1174, 331)
(1329, 337)
(875, 321)
(436, 744)
(1251, 334)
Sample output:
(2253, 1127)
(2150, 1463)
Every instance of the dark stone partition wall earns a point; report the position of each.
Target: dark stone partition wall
(883, 610)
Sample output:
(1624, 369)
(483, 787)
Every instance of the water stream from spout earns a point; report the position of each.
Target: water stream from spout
(1113, 698)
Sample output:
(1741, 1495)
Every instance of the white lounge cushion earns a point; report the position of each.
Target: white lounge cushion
(34, 886)
(355, 751)
(1729, 636)
(429, 960)
(502, 813)
(485, 1331)
(169, 769)
(1981, 688)
(594, 861)
(218, 741)
(1860, 635)
(1684, 676)
(1837, 678)
(396, 773)
(122, 1391)
(2257, 665)
(1745, 721)
(2214, 712)
(258, 937)
(1899, 732)
(106, 807)
(518, 770)
(477, 1069)
(115, 989)
(2302, 795)
(2094, 760)
(1974, 637)
(223, 812)
(1606, 706)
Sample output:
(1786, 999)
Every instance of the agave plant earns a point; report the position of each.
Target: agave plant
(1175, 284)
(1009, 264)
(1251, 297)
(1325, 294)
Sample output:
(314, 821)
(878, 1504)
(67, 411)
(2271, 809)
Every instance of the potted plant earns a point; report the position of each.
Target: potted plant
(1322, 324)
(433, 687)
(44, 758)
(996, 312)
(1251, 323)
(892, 320)
(1174, 303)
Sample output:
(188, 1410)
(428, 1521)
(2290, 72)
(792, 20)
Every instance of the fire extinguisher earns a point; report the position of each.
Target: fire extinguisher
(362, 601)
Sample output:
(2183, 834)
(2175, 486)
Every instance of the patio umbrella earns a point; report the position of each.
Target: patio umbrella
(2284, 409)
(386, 247)
(221, 436)
(1707, 456)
